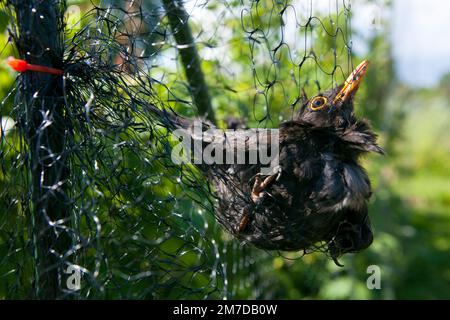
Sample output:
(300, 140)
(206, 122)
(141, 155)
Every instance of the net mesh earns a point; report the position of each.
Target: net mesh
(86, 174)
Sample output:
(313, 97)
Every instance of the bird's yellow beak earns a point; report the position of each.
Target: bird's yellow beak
(352, 82)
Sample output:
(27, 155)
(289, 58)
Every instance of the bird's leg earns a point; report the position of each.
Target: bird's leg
(260, 185)
(243, 221)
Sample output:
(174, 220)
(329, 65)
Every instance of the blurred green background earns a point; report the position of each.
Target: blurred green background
(410, 207)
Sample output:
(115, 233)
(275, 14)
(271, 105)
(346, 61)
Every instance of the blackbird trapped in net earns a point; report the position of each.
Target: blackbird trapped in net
(318, 198)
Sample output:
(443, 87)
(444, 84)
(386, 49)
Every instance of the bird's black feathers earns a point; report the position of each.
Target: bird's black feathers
(318, 201)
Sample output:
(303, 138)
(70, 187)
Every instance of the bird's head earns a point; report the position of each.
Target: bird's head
(333, 108)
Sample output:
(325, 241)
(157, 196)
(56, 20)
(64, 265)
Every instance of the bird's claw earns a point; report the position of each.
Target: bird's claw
(260, 185)
(258, 188)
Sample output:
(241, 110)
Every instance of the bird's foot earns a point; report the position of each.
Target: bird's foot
(256, 195)
(260, 185)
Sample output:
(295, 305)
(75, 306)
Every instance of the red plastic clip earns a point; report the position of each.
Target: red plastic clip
(22, 66)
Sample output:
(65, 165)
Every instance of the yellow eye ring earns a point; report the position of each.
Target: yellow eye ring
(318, 103)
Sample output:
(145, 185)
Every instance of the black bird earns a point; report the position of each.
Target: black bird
(318, 198)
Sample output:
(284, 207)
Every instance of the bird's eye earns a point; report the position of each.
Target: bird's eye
(318, 103)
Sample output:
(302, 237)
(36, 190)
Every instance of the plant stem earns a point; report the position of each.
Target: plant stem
(47, 132)
(178, 20)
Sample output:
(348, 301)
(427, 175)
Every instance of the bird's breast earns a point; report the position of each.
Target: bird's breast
(323, 182)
